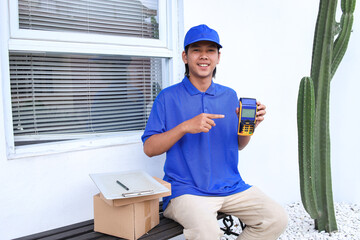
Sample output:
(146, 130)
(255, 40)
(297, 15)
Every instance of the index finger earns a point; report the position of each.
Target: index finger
(214, 116)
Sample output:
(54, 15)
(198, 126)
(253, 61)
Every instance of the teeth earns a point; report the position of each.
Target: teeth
(203, 65)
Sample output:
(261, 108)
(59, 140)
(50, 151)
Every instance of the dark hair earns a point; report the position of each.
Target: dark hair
(187, 73)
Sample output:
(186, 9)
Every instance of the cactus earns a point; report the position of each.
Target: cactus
(313, 112)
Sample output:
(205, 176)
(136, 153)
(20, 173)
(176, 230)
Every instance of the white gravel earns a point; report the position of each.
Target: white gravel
(301, 226)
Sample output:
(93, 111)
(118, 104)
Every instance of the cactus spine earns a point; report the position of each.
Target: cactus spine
(313, 112)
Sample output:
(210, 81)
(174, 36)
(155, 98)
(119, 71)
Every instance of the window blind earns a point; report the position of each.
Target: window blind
(72, 93)
(131, 18)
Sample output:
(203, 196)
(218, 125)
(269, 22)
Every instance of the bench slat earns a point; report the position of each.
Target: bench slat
(172, 226)
(93, 235)
(70, 233)
(57, 230)
(164, 235)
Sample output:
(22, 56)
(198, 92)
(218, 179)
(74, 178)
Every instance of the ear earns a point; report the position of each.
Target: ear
(184, 57)
(219, 57)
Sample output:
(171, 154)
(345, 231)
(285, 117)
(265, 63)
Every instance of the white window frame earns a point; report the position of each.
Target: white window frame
(17, 33)
(169, 45)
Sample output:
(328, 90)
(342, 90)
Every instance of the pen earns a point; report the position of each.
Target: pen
(118, 182)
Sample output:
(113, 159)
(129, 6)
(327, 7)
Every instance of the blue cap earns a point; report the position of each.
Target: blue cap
(201, 33)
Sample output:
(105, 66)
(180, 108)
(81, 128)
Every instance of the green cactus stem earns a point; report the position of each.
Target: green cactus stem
(306, 105)
(313, 112)
(341, 43)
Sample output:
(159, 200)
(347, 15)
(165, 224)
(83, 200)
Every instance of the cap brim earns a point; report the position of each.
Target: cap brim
(203, 39)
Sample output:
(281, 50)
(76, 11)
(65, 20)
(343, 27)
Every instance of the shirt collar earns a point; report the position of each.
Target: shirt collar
(193, 90)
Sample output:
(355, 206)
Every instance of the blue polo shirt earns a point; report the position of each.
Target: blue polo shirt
(204, 164)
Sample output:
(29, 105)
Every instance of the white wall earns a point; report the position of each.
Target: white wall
(267, 50)
(267, 47)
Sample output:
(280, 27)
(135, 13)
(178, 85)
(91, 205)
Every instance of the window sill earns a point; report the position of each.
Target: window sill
(75, 145)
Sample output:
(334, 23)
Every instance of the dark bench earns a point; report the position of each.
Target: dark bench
(166, 229)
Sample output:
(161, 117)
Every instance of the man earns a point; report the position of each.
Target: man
(195, 123)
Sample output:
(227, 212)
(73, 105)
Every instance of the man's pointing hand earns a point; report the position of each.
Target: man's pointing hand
(201, 123)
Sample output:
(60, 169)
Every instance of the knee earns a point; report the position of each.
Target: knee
(202, 226)
(278, 221)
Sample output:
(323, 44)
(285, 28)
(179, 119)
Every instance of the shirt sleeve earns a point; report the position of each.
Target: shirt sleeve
(156, 121)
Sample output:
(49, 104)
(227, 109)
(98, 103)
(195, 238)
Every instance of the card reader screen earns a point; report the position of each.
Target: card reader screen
(248, 113)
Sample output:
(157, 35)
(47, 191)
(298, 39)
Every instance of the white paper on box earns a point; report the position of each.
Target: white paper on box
(138, 183)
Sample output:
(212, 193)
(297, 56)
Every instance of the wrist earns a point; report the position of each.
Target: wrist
(183, 128)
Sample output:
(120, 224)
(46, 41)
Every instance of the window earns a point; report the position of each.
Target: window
(80, 69)
(120, 18)
(57, 95)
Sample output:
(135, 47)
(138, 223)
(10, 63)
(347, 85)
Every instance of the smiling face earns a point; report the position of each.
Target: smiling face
(201, 58)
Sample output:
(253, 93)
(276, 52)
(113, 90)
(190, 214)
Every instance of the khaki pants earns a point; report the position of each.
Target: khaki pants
(264, 218)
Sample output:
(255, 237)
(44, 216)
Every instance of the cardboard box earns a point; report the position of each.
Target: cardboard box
(128, 218)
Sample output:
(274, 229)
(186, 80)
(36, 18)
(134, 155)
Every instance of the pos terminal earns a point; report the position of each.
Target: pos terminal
(247, 116)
